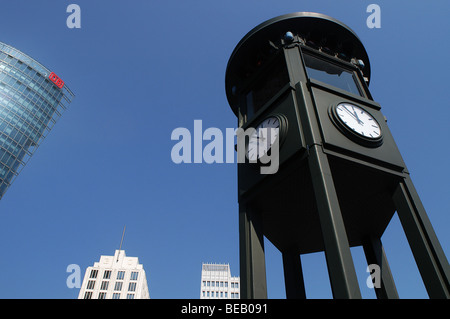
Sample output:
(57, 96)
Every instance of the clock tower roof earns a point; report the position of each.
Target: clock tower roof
(318, 29)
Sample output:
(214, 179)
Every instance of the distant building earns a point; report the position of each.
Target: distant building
(115, 277)
(217, 282)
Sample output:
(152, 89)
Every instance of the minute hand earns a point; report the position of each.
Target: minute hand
(354, 116)
(357, 117)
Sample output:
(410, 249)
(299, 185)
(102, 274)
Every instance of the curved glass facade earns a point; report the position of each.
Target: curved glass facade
(32, 98)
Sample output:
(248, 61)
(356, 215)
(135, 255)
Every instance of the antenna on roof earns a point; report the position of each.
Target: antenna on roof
(121, 241)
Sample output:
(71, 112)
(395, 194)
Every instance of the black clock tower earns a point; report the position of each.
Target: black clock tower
(340, 175)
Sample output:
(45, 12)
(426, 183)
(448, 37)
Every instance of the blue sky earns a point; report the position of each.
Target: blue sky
(140, 69)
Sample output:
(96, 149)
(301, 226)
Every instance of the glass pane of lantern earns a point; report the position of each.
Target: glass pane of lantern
(267, 85)
(330, 73)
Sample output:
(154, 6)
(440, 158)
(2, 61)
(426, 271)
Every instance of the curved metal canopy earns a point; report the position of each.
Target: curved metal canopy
(311, 26)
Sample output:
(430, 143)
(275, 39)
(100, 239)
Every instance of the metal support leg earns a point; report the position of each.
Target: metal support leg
(344, 283)
(251, 253)
(293, 276)
(425, 246)
(374, 252)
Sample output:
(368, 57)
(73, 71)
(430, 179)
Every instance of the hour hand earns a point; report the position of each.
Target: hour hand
(357, 117)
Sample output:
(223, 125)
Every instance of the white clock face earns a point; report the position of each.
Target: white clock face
(358, 120)
(263, 137)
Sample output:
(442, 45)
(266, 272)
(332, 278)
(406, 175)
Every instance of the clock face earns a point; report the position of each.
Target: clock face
(262, 139)
(358, 120)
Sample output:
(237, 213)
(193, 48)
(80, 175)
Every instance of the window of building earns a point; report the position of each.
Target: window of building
(104, 285)
(88, 295)
(107, 274)
(330, 73)
(90, 284)
(130, 296)
(116, 295)
(102, 295)
(132, 286)
(204, 283)
(118, 286)
(134, 275)
(94, 273)
(120, 275)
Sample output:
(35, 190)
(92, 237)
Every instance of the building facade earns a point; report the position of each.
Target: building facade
(32, 98)
(115, 277)
(217, 282)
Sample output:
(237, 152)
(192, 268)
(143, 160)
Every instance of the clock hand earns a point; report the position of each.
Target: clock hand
(261, 134)
(353, 115)
(357, 117)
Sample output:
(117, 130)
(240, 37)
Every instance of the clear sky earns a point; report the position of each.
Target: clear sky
(140, 69)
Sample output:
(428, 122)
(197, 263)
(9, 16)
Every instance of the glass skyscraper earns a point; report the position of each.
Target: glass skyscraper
(32, 98)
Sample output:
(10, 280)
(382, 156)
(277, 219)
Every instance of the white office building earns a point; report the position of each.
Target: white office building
(217, 282)
(115, 277)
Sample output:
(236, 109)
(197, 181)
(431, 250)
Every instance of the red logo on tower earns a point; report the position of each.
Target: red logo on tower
(55, 79)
